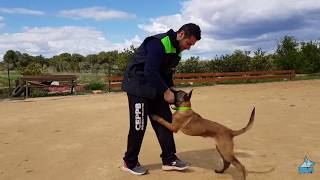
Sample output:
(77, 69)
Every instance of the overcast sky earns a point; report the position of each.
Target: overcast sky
(49, 28)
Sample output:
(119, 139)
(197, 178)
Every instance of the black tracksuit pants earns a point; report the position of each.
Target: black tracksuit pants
(139, 109)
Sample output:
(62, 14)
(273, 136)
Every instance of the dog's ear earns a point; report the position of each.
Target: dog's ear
(179, 96)
(190, 94)
(174, 91)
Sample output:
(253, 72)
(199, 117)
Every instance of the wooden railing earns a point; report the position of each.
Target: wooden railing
(231, 76)
(189, 78)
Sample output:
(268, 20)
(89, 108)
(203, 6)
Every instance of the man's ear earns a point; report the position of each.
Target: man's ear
(190, 94)
(180, 35)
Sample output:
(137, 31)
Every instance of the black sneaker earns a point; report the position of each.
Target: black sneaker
(176, 165)
(137, 170)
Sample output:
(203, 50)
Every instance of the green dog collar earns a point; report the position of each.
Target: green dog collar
(182, 108)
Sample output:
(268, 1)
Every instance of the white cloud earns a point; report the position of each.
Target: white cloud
(2, 22)
(21, 11)
(135, 41)
(226, 25)
(49, 41)
(162, 24)
(230, 24)
(233, 16)
(96, 13)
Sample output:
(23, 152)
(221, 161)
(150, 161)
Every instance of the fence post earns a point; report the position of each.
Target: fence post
(27, 89)
(109, 80)
(292, 74)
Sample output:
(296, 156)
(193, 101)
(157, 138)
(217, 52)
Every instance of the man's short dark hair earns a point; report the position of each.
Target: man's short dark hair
(191, 29)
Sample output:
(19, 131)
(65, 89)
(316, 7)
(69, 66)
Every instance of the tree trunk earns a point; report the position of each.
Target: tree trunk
(9, 80)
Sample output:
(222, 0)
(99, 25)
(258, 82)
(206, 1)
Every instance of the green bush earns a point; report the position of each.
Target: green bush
(36, 92)
(95, 86)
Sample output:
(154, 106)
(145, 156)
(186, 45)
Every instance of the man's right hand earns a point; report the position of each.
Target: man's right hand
(169, 96)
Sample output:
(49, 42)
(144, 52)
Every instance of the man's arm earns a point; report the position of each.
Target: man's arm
(155, 51)
(169, 78)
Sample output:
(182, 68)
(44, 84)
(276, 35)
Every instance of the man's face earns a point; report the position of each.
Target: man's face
(184, 42)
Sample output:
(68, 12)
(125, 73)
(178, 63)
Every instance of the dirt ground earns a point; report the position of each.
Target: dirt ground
(84, 137)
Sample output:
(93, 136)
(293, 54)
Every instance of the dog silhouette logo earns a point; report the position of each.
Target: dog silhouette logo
(307, 166)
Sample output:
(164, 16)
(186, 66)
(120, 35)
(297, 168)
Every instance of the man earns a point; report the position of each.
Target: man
(147, 81)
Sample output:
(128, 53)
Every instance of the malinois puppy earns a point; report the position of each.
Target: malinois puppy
(191, 123)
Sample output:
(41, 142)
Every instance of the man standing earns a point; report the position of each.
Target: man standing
(147, 81)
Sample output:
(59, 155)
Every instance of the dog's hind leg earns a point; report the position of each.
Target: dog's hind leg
(225, 148)
(239, 166)
(226, 164)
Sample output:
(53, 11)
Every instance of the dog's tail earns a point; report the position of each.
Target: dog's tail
(249, 125)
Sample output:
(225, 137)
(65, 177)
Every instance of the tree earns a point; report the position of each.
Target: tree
(61, 62)
(92, 60)
(310, 55)
(191, 65)
(75, 62)
(10, 58)
(3, 66)
(287, 56)
(260, 61)
(32, 69)
(238, 61)
(123, 59)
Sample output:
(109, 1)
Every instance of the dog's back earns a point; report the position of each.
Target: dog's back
(195, 125)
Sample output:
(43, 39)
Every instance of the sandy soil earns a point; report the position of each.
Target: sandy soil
(84, 137)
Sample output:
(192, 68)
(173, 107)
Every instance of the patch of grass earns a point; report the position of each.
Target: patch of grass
(86, 78)
(14, 75)
(307, 76)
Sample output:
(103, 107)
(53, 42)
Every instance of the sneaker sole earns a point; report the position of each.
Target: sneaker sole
(172, 168)
(132, 172)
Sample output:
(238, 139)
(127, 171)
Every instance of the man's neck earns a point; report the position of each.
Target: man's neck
(173, 38)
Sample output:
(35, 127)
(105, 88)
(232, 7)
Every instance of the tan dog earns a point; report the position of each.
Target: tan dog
(191, 123)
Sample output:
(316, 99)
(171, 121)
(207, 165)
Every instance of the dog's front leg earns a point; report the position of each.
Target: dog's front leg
(174, 127)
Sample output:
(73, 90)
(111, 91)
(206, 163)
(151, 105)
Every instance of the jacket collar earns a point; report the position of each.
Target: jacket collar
(173, 38)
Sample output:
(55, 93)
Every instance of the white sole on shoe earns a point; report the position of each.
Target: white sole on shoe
(132, 172)
(172, 168)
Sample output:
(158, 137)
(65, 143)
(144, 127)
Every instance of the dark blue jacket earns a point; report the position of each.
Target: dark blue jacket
(149, 73)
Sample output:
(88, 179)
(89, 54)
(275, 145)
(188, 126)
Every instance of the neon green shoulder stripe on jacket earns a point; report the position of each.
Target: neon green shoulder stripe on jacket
(167, 45)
